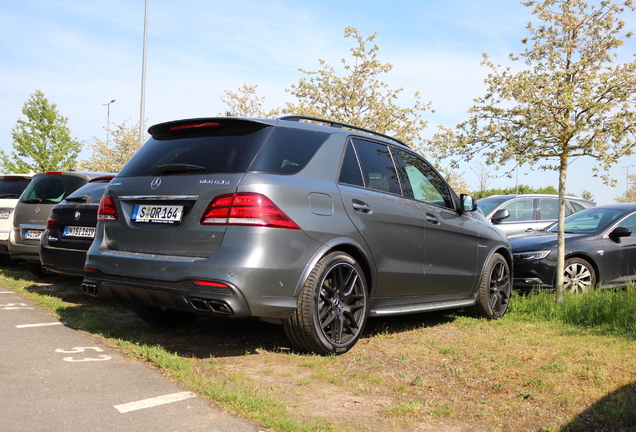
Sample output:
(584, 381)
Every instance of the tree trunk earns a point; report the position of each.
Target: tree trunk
(558, 286)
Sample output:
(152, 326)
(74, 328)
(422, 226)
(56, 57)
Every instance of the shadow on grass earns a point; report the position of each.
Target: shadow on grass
(614, 412)
(206, 336)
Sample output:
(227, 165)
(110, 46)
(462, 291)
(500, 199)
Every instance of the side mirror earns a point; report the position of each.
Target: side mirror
(500, 215)
(619, 232)
(468, 203)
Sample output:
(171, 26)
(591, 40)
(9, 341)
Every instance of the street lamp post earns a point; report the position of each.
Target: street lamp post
(108, 120)
(627, 179)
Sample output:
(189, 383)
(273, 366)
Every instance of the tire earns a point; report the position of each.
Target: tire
(495, 290)
(332, 307)
(161, 317)
(578, 276)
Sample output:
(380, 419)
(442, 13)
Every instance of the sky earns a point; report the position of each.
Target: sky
(84, 53)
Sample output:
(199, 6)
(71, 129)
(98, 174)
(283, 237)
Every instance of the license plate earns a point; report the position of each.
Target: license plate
(79, 231)
(157, 214)
(33, 234)
(4, 214)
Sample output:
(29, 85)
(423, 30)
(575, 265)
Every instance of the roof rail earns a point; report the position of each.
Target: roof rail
(340, 125)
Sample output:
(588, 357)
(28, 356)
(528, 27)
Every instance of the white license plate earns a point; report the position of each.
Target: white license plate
(33, 234)
(157, 213)
(4, 214)
(79, 231)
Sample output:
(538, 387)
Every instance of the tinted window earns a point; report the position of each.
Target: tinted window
(51, 189)
(214, 153)
(287, 151)
(89, 193)
(377, 166)
(425, 183)
(12, 188)
(350, 172)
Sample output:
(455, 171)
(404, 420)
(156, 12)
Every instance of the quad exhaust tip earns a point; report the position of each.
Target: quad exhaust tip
(211, 306)
(89, 289)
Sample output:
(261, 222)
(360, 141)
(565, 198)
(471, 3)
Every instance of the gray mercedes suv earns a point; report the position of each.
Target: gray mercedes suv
(311, 223)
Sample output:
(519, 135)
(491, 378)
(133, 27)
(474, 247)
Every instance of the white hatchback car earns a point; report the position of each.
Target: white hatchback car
(11, 187)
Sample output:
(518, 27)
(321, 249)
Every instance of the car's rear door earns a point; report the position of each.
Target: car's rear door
(390, 224)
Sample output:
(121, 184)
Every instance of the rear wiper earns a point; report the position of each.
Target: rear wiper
(10, 196)
(83, 198)
(33, 200)
(179, 168)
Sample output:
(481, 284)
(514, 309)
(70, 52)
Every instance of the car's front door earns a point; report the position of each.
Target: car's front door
(451, 250)
(619, 255)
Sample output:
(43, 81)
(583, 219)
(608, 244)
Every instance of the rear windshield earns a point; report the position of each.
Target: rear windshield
(89, 193)
(13, 187)
(51, 189)
(224, 150)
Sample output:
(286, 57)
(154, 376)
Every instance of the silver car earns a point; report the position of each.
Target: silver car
(525, 213)
(33, 208)
(310, 223)
(11, 187)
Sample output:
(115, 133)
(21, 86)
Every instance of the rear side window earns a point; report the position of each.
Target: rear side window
(199, 150)
(287, 151)
(51, 189)
(12, 187)
(377, 166)
(350, 172)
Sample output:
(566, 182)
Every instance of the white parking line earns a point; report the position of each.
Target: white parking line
(39, 325)
(7, 292)
(153, 402)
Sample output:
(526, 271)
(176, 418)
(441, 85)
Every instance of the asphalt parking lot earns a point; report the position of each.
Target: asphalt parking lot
(55, 378)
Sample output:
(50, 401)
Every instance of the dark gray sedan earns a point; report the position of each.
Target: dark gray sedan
(599, 250)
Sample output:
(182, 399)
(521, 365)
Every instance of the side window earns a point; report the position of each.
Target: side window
(629, 222)
(350, 172)
(576, 206)
(287, 151)
(520, 210)
(377, 166)
(550, 208)
(426, 184)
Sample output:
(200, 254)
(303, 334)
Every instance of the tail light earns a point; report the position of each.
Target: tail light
(249, 209)
(51, 223)
(107, 211)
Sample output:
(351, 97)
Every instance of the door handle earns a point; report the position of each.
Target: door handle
(361, 207)
(432, 219)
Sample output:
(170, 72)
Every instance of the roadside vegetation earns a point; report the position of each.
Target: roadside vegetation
(542, 367)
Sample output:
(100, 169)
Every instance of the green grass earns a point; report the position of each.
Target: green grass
(607, 312)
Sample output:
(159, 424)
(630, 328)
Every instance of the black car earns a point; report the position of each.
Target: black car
(599, 250)
(70, 229)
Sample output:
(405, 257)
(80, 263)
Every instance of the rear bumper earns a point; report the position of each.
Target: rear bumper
(26, 251)
(63, 260)
(187, 295)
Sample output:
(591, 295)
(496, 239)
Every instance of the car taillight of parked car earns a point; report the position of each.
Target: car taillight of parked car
(51, 223)
(251, 209)
(107, 211)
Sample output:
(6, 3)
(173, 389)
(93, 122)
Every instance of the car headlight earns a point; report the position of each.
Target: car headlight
(532, 255)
